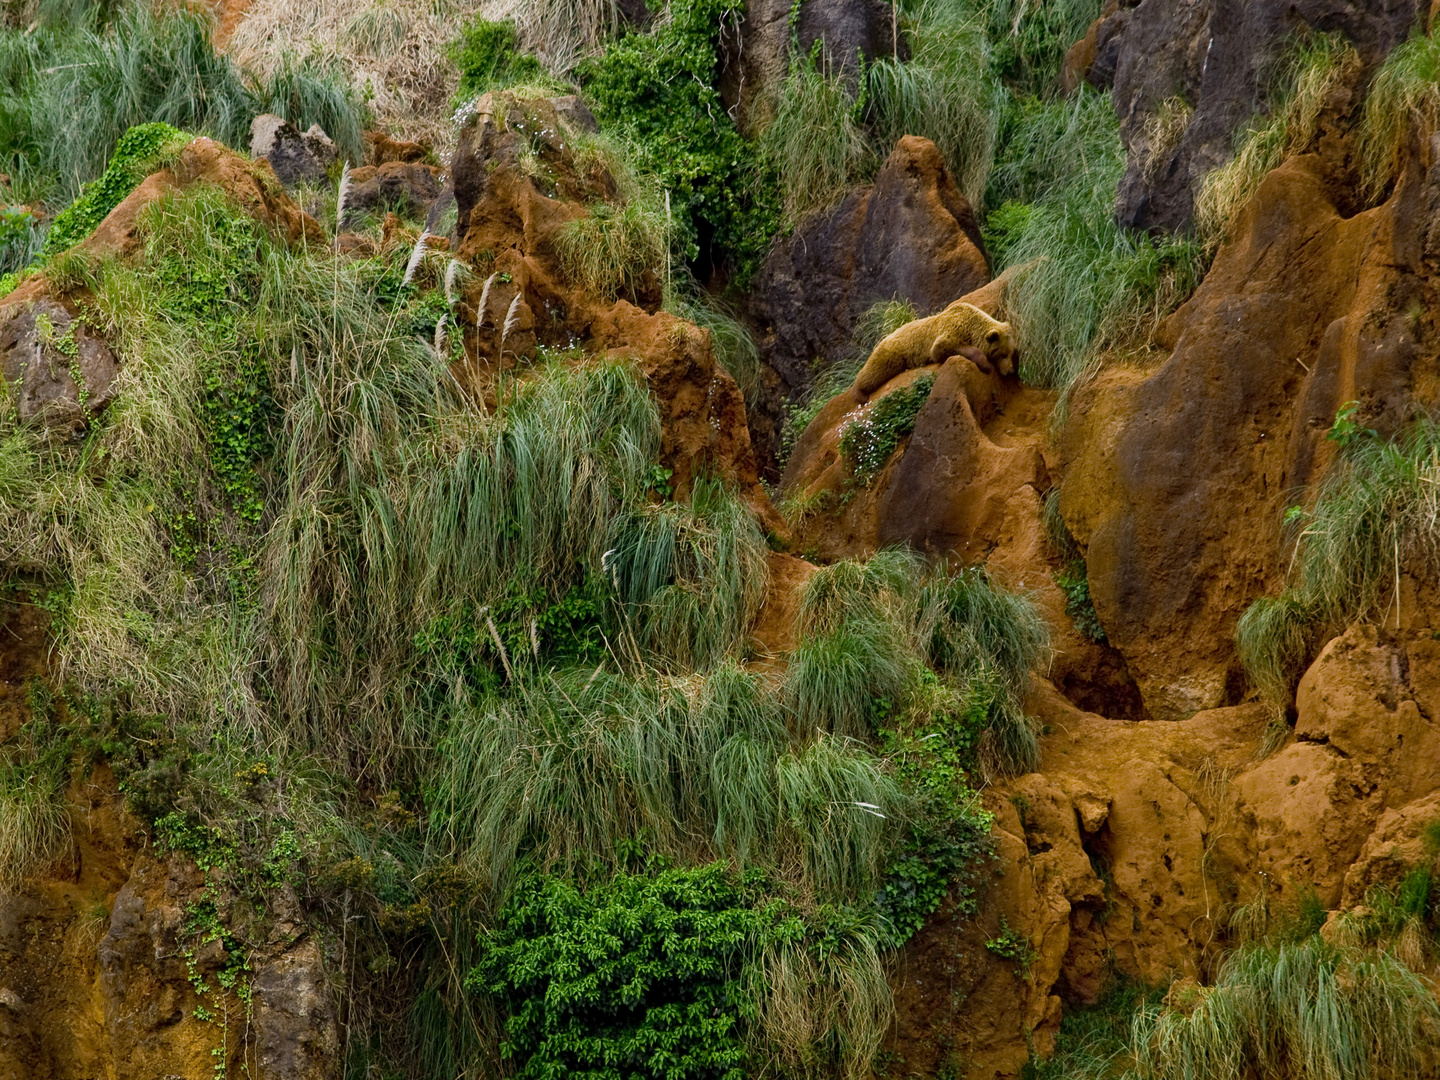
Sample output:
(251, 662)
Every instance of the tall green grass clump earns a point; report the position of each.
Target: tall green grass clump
(944, 92)
(1306, 1009)
(1093, 285)
(813, 141)
(1376, 515)
(870, 635)
(692, 577)
(21, 238)
(1316, 65)
(1404, 97)
(826, 130)
(34, 815)
(583, 765)
(69, 89)
(613, 247)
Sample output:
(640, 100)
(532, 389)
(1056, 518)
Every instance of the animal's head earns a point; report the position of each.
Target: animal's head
(1000, 348)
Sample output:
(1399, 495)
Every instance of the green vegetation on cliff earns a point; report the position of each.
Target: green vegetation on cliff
(439, 670)
(71, 85)
(1375, 513)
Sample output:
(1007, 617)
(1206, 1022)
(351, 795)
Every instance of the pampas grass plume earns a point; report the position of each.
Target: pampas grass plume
(415, 257)
(484, 300)
(342, 196)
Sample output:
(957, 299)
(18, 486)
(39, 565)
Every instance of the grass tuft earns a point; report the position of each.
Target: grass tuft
(1403, 103)
(1309, 1008)
(813, 142)
(1094, 286)
(1376, 515)
(613, 247)
(944, 92)
(1317, 64)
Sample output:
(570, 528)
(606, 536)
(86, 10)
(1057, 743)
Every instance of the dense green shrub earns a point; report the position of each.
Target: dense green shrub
(638, 977)
(659, 87)
(488, 56)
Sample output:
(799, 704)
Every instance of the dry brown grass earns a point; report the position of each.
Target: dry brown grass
(394, 52)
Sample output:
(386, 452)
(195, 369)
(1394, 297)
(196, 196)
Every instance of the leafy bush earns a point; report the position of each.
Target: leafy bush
(488, 57)
(1074, 582)
(869, 440)
(659, 88)
(638, 977)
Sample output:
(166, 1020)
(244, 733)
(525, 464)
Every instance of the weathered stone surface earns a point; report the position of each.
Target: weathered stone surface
(757, 52)
(1217, 56)
(383, 149)
(398, 186)
(297, 1037)
(1174, 478)
(59, 372)
(296, 157)
(572, 109)
(910, 236)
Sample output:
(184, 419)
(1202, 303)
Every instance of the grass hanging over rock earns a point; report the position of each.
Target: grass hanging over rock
(1308, 1008)
(813, 142)
(1376, 515)
(1093, 285)
(870, 632)
(944, 92)
(610, 250)
(1404, 97)
(1315, 67)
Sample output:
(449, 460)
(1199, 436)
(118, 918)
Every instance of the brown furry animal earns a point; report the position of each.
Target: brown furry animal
(933, 340)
